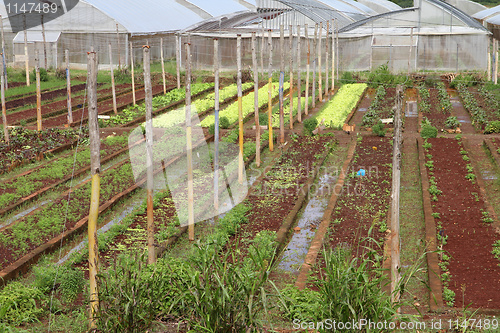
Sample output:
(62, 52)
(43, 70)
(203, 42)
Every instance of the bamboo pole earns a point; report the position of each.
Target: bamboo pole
(216, 133)
(299, 78)
(4, 109)
(337, 48)
(320, 79)
(26, 58)
(409, 54)
(149, 152)
(262, 42)
(163, 67)
(256, 99)
(333, 56)
(44, 42)
(38, 93)
(189, 144)
(68, 88)
(315, 57)
(290, 35)
(327, 55)
(396, 183)
(496, 61)
(241, 164)
(118, 45)
(95, 163)
(306, 28)
(282, 73)
(133, 74)
(113, 89)
(4, 63)
(270, 87)
(489, 61)
(178, 60)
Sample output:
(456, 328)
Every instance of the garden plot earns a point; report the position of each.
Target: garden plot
(469, 268)
(381, 107)
(435, 107)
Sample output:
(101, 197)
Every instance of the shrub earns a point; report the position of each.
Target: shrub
(467, 80)
(309, 125)
(18, 304)
(211, 129)
(44, 76)
(347, 78)
(428, 131)
(379, 129)
(224, 122)
(68, 280)
(493, 127)
(452, 122)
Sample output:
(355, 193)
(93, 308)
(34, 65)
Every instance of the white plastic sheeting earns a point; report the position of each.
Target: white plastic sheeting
(380, 6)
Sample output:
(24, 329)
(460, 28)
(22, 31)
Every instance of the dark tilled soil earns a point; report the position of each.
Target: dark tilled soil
(475, 274)
(46, 96)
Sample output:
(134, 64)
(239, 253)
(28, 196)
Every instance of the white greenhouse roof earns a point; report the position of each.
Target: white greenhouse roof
(359, 7)
(36, 36)
(487, 13)
(380, 6)
(495, 19)
(217, 7)
(147, 16)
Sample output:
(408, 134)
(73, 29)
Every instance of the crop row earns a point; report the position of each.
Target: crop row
(160, 101)
(14, 189)
(336, 111)
(231, 113)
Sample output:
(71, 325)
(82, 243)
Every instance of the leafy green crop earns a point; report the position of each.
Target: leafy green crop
(337, 110)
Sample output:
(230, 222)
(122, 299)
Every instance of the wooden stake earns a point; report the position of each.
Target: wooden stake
(291, 75)
(241, 164)
(4, 109)
(38, 94)
(118, 45)
(44, 42)
(3, 54)
(262, 42)
(409, 55)
(113, 90)
(256, 100)
(189, 143)
(333, 56)
(396, 183)
(68, 88)
(299, 78)
(178, 60)
(327, 55)
(163, 67)
(337, 48)
(315, 57)
(95, 166)
(496, 61)
(306, 28)
(26, 58)
(270, 87)
(133, 74)
(216, 133)
(282, 74)
(320, 79)
(149, 152)
(489, 61)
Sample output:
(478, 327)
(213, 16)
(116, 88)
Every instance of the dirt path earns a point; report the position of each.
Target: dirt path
(461, 113)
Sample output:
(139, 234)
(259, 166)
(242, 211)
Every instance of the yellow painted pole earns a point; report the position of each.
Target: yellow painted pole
(95, 164)
(270, 87)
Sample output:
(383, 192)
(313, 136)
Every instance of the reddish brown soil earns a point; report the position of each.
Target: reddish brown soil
(102, 107)
(46, 96)
(363, 200)
(26, 145)
(436, 114)
(58, 106)
(270, 205)
(486, 102)
(474, 271)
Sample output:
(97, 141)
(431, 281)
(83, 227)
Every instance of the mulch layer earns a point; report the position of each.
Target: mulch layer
(475, 273)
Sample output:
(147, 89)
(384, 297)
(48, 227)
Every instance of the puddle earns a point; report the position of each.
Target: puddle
(23, 213)
(294, 254)
(103, 229)
(411, 110)
(488, 175)
(463, 119)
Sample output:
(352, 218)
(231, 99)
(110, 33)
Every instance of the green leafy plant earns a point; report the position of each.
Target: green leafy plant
(452, 122)
(449, 296)
(309, 125)
(496, 250)
(428, 131)
(20, 303)
(379, 129)
(492, 127)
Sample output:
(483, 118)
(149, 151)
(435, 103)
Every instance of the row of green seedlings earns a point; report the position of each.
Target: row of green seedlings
(434, 191)
(25, 144)
(492, 100)
(444, 106)
(372, 115)
(57, 169)
(478, 115)
(335, 112)
(160, 101)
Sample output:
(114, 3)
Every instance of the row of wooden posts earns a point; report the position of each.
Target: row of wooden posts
(94, 132)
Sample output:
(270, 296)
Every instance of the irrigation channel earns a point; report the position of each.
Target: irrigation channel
(312, 193)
